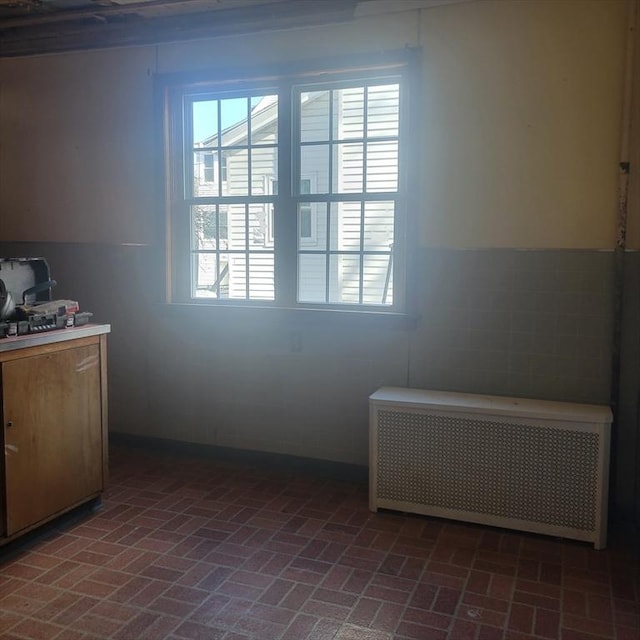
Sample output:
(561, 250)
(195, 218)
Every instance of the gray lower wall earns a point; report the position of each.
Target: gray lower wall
(520, 323)
(523, 323)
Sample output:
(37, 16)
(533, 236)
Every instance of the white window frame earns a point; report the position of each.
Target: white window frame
(394, 67)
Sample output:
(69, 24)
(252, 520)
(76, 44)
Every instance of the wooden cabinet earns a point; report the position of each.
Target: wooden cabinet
(55, 424)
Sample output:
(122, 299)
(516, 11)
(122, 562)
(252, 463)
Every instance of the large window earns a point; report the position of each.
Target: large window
(289, 190)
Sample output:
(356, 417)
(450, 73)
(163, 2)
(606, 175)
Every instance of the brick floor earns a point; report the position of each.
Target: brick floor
(187, 548)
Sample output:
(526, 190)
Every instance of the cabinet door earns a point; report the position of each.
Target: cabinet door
(53, 433)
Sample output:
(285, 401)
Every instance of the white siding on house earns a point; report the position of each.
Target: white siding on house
(261, 276)
(379, 218)
(250, 225)
(312, 283)
(381, 176)
(383, 113)
(238, 173)
(382, 166)
(202, 186)
(314, 117)
(374, 271)
(237, 275)
(314, 164)
(349, 108)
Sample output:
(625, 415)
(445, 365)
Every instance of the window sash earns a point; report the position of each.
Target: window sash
(287, 203)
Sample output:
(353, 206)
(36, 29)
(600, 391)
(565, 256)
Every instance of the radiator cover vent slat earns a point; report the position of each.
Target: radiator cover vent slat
(520, 471)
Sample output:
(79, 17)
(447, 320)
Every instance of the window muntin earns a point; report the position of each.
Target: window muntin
(341, 197)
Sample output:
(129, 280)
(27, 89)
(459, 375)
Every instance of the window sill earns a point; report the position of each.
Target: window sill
(298, 316)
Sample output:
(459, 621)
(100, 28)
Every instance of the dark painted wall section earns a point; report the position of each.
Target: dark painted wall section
(627, 441)
(533, 324)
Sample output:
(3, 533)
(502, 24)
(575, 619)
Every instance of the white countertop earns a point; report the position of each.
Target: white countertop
(49, 337)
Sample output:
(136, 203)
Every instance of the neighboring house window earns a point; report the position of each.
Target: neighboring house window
(223, 168)
(307, 223)
(306, 206)
(209, 167)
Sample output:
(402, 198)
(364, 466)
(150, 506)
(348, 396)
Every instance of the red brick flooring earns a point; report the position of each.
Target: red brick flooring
(188, 548)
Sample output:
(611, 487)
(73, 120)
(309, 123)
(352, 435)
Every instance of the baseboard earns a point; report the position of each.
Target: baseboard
(265, 459)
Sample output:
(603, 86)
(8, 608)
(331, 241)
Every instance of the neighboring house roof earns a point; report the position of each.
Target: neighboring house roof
(263, 114)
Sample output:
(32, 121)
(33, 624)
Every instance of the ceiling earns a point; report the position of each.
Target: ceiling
(47, 26)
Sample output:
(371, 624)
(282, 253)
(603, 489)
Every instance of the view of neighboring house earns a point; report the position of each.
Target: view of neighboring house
(346, 143)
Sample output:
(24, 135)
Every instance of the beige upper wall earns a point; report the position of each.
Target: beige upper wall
(76, 147)
(519, 137)
(523, 104)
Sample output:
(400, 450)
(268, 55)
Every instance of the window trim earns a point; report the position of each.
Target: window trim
(170, 88)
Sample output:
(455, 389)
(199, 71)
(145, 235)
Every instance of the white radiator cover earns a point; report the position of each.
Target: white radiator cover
(523, 464)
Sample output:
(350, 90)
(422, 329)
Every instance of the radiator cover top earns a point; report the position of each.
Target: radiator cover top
(435, 453)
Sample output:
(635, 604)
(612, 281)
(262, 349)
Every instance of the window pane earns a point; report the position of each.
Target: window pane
(237, 276)
(264, 119)
(208, 228)
(237, 226)
(205, 174)
(382, 166)
(345, 226)
(378, 225)
(236, 162)
(348, 113)
(383, 109)
(305, 225)
(234, 117)
(314, 160)
(264, 170)
(261, 276)
(348, 168)
(205, 122)
(260, 226)
(312, 277)
(209, 165)
(312, 225)
(377, 279)
(344, 279)
(314, 116)
(224, 158)
(206, 283)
